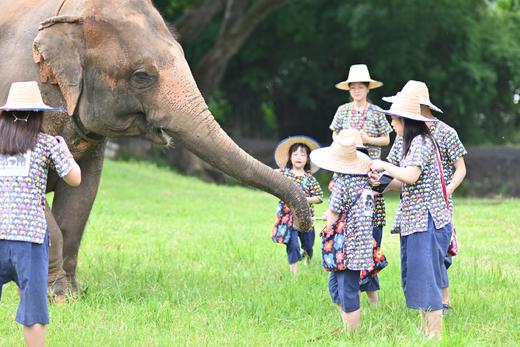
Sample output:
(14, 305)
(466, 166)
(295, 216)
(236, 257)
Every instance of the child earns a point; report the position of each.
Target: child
(452, 153)
(26, 154)
(374, 129)
(425, 221)
(292, 157)
(348, 243)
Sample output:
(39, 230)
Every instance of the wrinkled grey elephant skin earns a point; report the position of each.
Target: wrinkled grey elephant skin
(117, 70)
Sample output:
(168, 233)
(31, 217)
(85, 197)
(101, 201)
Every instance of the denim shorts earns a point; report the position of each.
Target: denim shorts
(423, 271)
(344, 289)
(293, 246)
(27, 264)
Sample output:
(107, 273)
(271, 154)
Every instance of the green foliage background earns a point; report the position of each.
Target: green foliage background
(467, 51)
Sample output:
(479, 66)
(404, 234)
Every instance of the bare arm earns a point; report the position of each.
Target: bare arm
(332, 217)
(314, 200)
(408, 175)
(73, 178)
(376, 141)
(458, 175)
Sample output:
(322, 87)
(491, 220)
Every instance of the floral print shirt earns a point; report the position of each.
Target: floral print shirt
(450, 147)
(373, 121)
(23, 180)
(424, 196)
(358, 242)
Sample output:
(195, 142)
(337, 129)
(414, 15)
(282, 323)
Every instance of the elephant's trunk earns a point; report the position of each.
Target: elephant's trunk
(198, 131)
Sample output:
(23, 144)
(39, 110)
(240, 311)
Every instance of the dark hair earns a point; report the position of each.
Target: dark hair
(16, 135)
(294, 147)
(411, 129)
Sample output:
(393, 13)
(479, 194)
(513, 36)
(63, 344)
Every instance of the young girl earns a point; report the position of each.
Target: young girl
(26, 154)
(292, 157)
(360, 114)
(424, 217)
(348, 243)
(452, 153)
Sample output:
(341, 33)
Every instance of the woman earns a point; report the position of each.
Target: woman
(425, 220)
(26, 155)
(360, 114)
(452, 154)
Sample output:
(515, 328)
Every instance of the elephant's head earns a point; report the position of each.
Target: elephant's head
(122, 73)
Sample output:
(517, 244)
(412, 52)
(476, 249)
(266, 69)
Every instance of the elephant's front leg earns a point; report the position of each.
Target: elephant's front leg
(71, 208)
(57, 279)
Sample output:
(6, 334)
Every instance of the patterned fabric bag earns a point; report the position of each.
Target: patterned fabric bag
(333, 240)
(380, 263)
(282, 227)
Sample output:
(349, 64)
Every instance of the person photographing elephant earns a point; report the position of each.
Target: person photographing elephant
(26, 155)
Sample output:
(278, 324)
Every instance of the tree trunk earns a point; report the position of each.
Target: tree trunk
(193, 22)
(236, 28)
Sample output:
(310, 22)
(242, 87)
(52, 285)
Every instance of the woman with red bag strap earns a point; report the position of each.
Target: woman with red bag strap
(452, 153)
(424, 217)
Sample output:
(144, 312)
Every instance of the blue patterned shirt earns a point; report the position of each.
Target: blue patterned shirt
(23, 180)
(450, 147)
(424, 196)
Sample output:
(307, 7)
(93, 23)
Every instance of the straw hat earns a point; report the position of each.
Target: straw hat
(26, 96)
(281, 153)
(407, 105)
(420, 89)
(353, 133)
(341, 156)
(358, 73)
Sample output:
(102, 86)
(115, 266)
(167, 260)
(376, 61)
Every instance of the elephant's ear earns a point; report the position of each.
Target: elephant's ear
(59, 50)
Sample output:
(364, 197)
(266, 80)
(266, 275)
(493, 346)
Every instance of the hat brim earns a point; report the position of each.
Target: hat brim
(325, 158)
(413, 116)
(281, 153)
(422, 101)
(372, 84)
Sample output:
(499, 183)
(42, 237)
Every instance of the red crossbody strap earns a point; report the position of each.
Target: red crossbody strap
(439, 165)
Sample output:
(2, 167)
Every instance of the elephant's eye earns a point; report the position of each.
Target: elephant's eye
(142, 79)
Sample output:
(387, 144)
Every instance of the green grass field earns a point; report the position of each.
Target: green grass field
(168, 260)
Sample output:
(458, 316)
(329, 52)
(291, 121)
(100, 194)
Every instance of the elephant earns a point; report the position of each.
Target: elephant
(117, 70)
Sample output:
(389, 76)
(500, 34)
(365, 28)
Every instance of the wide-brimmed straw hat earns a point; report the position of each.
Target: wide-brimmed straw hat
(341, 156)
(281, 153)
(355, 134)
(26, 96)
(359, 73)
(406, 105)
(419, 88)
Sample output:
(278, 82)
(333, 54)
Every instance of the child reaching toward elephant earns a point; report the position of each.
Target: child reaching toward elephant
(292, 157)
(347, 245)
(26, 155)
